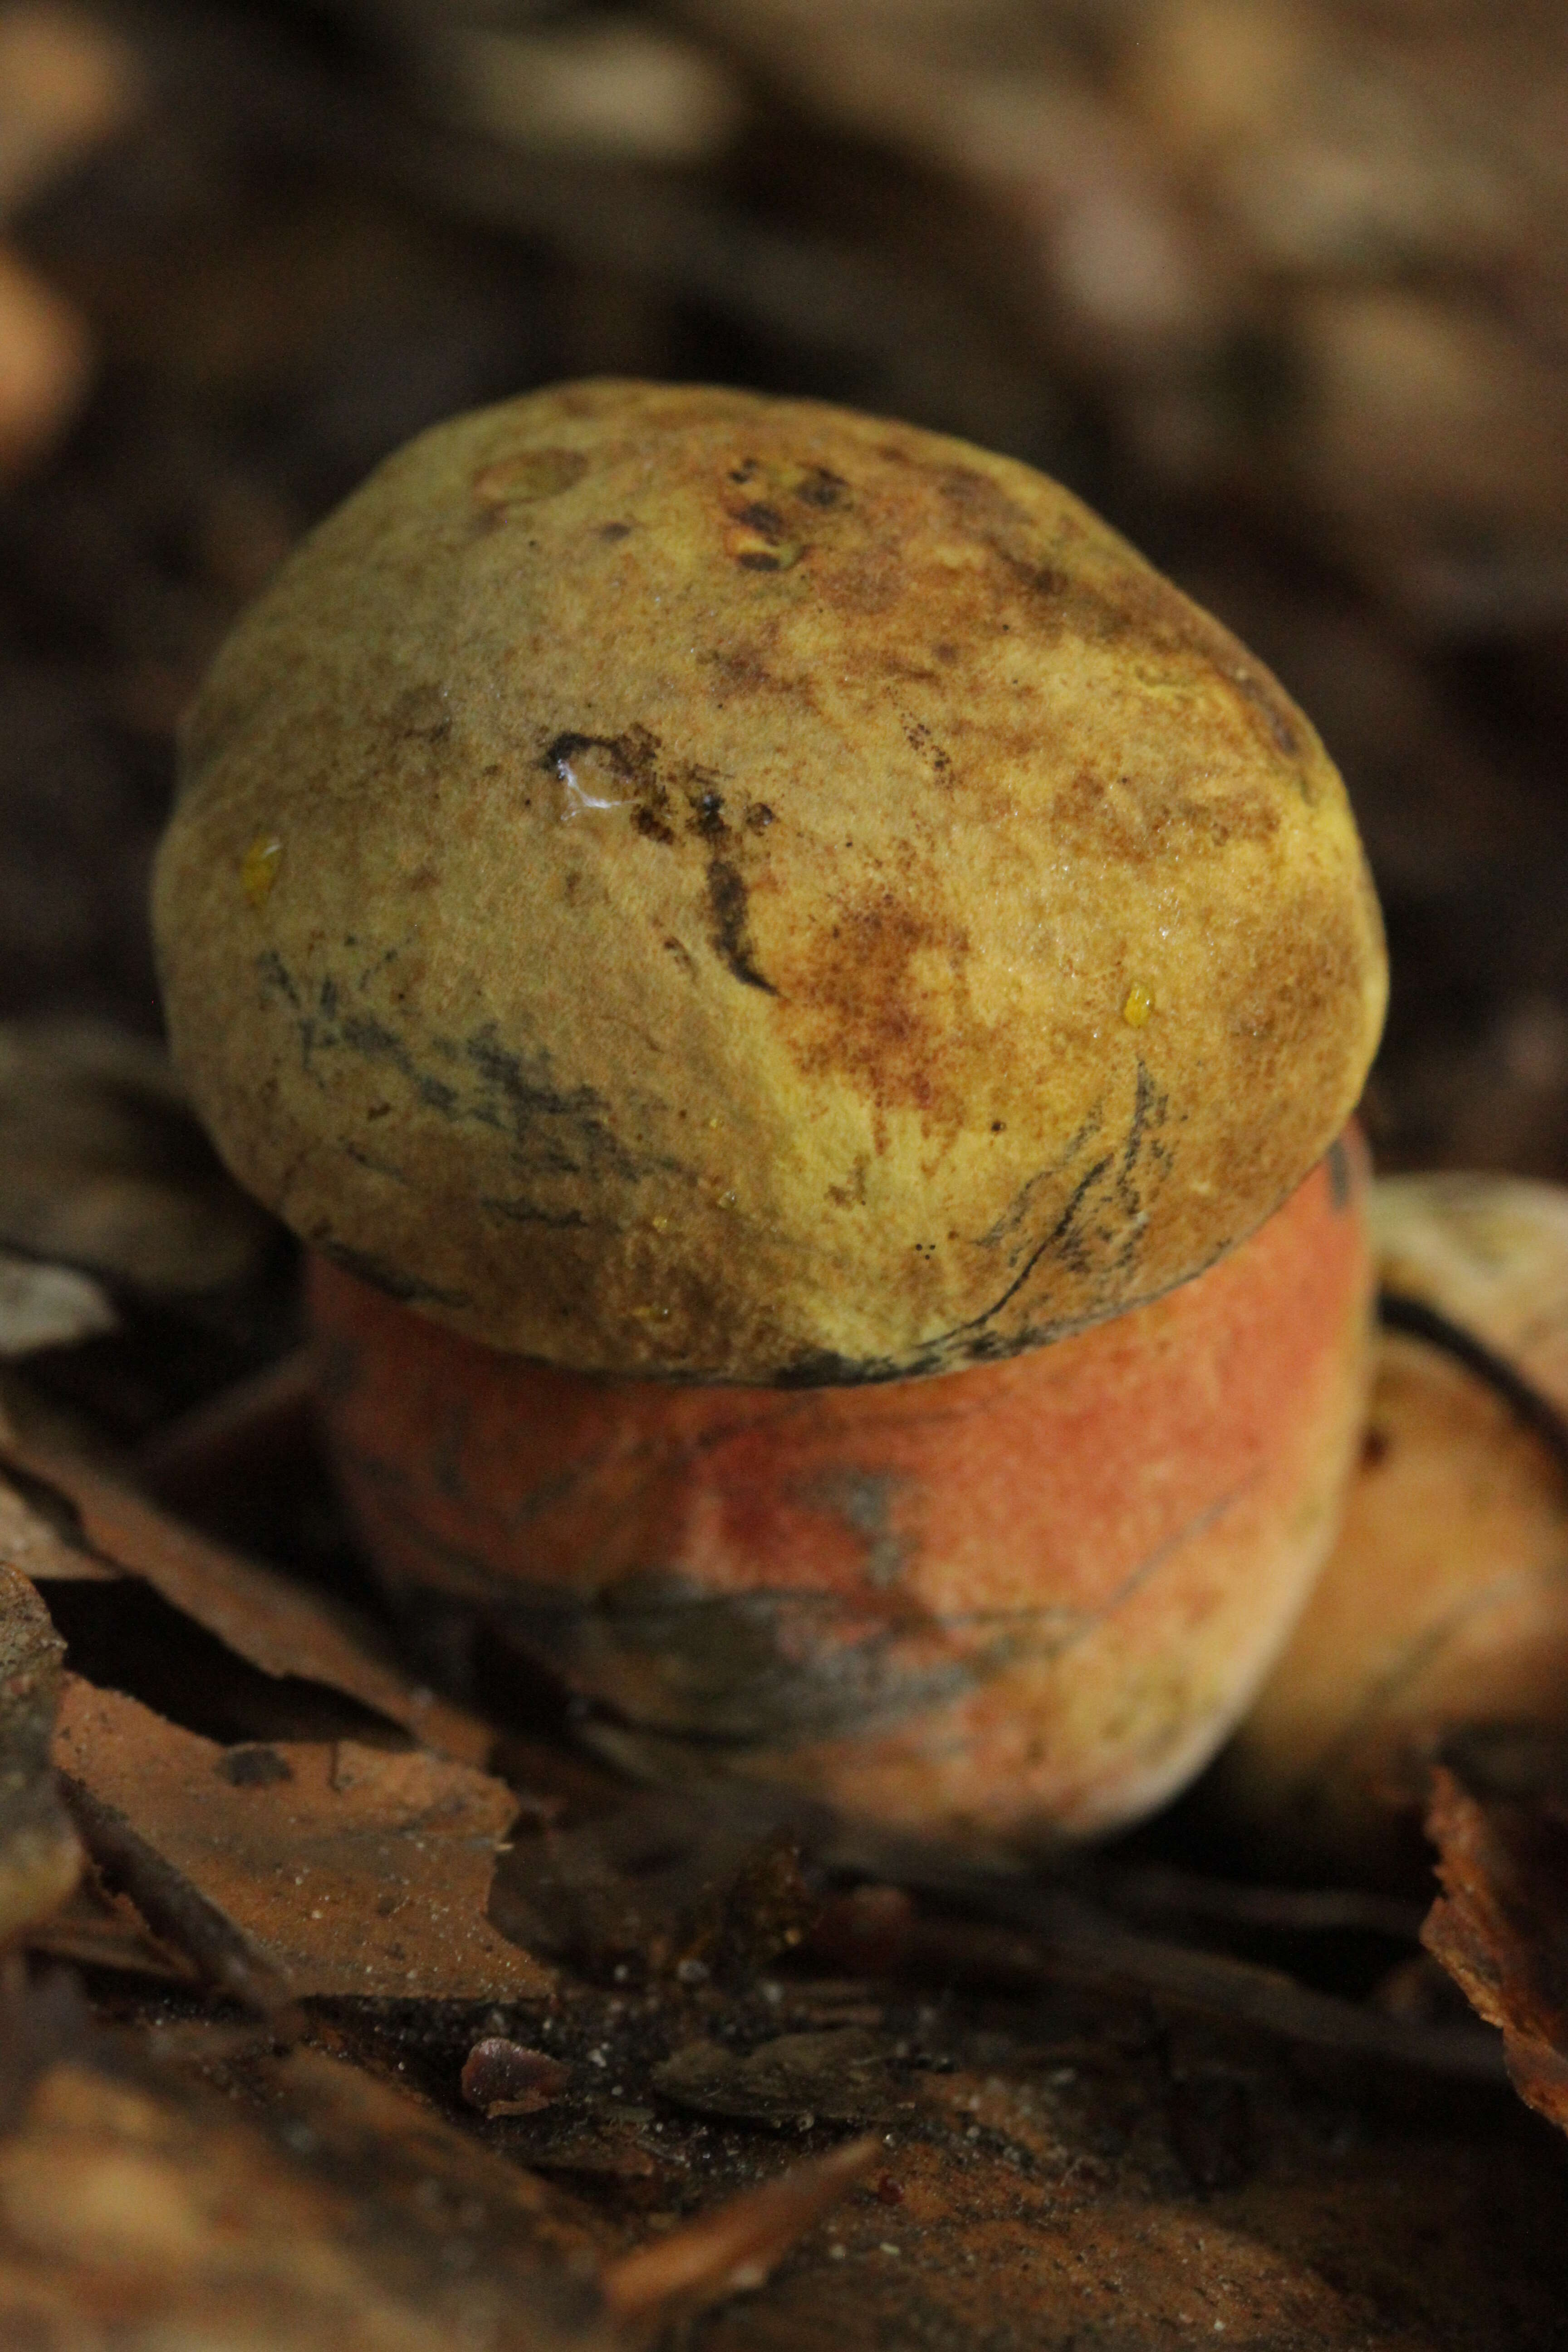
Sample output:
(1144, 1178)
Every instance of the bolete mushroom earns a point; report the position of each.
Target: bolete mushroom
(803, 1000)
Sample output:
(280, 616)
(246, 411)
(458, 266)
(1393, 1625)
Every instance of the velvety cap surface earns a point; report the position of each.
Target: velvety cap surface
(679, 882)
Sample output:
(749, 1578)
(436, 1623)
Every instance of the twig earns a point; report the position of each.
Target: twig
(179, 1913)
(1155, 1893)
(878, 1929)
(732, 2251)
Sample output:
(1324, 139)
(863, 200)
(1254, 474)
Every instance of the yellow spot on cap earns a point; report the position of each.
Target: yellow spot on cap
(1138, 1005)
(760, 550)
(258, 867)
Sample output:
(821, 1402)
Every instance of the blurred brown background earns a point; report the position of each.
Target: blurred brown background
(1279, 285)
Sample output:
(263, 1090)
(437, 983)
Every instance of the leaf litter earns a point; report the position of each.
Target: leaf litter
(67, 1519)
(653, 1969)
(639, 2009)
(348, 1869)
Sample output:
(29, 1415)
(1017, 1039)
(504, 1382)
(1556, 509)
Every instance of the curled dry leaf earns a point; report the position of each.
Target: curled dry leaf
(335, 1868)
(40, 1859)
(1445, 1603)
(1501, 1927)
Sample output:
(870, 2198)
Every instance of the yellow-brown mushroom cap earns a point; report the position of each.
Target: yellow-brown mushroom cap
(683, 883)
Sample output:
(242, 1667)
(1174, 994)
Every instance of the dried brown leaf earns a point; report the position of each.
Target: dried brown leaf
(1500, 1928)
(335, 1868)
(219, 1949)
(277, 1624)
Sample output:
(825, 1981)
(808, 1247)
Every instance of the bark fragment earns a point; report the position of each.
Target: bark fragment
(1501, 1927)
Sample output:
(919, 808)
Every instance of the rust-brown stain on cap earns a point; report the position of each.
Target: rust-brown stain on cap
(809, 795)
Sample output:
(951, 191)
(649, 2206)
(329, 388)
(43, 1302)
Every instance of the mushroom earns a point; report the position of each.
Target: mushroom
(1439, 1627)
(804, 1002)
